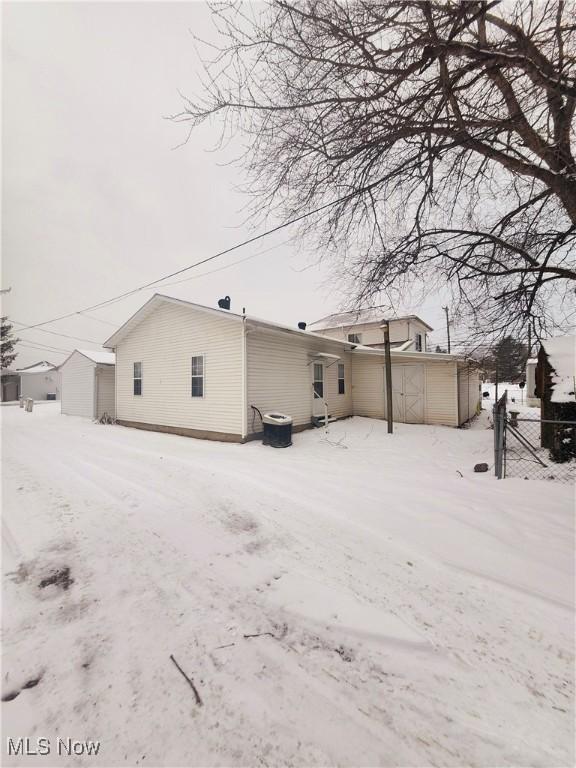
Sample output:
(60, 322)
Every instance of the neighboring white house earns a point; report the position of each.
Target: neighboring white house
(365, 327)
(88, 384)
(203, 372)
(40, 381)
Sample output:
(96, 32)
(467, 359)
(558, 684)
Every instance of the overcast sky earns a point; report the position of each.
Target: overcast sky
(96, 200)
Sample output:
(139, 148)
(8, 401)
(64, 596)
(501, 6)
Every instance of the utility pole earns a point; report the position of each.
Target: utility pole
(447, 327)
(388, 360)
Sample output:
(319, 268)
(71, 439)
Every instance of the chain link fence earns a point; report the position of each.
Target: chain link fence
(531, 448)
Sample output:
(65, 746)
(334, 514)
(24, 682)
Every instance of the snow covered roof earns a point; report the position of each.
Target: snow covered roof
(561, 353)
(42, 367)
(357, 317)
(159, 298)
(99, 356)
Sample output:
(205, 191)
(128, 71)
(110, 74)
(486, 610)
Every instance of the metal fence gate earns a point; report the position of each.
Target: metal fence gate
(540, 449)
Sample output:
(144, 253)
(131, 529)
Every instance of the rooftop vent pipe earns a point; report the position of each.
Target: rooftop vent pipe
(302, 326)
(224, 303)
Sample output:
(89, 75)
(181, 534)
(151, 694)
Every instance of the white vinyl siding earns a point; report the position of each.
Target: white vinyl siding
(105, 395)
(280, 376)
(78, 386)
(164, 342)
(441, 394)
(368, 386)
(468, 393)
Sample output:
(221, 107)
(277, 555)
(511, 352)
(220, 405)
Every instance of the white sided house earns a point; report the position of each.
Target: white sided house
(88, 387)
(209, 373)
(365, 327)
(40, 381)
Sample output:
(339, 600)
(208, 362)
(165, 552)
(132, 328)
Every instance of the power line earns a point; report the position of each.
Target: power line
(54, 333)
(250, 240)
(98, 319)
(166, 285)
(43, 348)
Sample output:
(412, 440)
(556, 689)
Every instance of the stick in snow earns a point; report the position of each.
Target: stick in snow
(261, 634)
(190, 683)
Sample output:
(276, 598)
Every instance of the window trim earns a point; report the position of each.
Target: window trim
(137, 378)
(341, 367)
(198, 376)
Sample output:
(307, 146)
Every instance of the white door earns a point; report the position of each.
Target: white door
(318, 389)
(408, 393)
(414, 394)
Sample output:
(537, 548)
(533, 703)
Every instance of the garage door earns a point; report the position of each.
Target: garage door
(408, 393)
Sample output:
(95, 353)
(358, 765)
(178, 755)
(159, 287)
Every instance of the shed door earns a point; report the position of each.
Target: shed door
(397, 392)
(414, 394)
(408, 393)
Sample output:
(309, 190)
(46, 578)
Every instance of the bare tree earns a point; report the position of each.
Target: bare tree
(444, 131)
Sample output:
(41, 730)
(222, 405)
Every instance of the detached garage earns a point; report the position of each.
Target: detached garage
(88, 384)
(40, 381)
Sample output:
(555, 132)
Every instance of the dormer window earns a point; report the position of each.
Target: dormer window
(355, 338)
(418, 342)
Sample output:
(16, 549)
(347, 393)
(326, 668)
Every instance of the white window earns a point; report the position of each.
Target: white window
(319, 379)
(341, 379)
(197, 372)
(355, 338)
(137, 378)
(418, 343)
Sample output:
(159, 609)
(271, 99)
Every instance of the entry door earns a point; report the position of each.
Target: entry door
(318, 388)
(408, 393)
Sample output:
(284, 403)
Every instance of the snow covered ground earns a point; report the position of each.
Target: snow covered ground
(516, 398)
(356, 599)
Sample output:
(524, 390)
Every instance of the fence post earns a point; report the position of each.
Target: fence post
(499, 416)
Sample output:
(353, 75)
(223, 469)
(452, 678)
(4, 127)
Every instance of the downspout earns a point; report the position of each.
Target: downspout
(115, 383)
(244, 382)
(95, 392)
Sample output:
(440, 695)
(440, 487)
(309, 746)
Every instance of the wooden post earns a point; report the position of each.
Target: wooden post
(388, 359)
